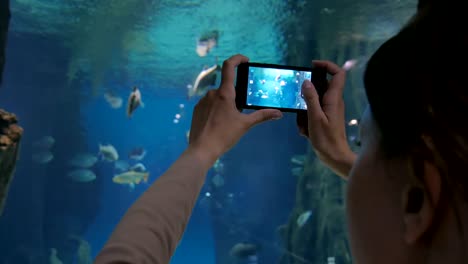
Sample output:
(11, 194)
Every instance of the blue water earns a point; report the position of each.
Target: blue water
(153, 128)
(150, 44)
(44, 206)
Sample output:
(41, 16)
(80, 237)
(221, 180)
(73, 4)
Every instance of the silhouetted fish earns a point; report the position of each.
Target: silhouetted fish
(205, 79)
(206, 42)
(134, 101)
(137, 153)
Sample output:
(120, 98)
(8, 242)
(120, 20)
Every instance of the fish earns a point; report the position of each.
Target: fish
(205, 79)
(44, 143)
(207, 42)
(299, 159)
(121, 165)
(327, 11)
(302, 219)
(108, 152)
(244, 250)
(131, 177)
(134, 101)
(218, 180)
(138, 167)
(83, 160)
(43, 157)
(53, 257)
(113, 100)
(81, 175)
(137, 154)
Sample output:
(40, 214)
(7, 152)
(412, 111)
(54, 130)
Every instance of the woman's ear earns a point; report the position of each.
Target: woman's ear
(419, 204)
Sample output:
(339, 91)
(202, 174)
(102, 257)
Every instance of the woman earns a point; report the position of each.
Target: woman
(406, 199)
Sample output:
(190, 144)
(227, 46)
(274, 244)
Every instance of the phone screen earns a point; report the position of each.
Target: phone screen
(276, 88)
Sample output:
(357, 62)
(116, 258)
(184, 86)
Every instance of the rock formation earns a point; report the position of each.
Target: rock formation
(10, 135)
(4, 22)
(10, 132)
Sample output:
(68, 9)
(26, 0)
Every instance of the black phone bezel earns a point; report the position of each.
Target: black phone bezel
(319, 79)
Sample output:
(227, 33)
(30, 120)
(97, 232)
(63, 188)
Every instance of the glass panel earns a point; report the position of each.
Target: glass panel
(70, 69)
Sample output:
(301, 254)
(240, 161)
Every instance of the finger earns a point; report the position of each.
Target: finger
(331, 67)
(304, 132)
(302, 123)
(314, 110)
(228, 73)
(263, 115)
(334, 94)
(338, 73)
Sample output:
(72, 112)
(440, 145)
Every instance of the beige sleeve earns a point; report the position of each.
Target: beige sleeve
(151, 229)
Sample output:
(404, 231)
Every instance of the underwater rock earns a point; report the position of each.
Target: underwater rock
(10, 136)
(4, 23)
(10, 133)
(282, 232)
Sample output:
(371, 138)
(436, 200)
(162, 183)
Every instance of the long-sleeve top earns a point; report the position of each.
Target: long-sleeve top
(152, 227)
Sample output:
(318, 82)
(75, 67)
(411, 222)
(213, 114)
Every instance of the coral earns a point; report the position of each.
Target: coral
(10, 135)
(323, 235)
(10, 132)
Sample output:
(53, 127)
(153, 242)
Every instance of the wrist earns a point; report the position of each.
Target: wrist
(347, 161)
(341, 162)
(204, 156)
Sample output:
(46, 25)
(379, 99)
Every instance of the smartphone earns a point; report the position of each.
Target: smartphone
(261, 86)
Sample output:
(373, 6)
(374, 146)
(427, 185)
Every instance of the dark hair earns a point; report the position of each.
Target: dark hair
(417, 83)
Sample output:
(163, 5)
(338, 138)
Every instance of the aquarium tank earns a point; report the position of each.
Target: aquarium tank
(69, 141)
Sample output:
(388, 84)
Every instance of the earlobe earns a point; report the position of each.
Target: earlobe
(417, 216)
(419, 204)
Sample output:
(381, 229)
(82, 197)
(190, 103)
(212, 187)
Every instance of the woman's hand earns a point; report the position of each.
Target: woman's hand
(217, 124)
(325, 125)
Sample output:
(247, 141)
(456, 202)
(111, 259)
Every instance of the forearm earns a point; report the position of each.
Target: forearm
(151, 229)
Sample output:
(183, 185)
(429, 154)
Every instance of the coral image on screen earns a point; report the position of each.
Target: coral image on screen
(277, 88)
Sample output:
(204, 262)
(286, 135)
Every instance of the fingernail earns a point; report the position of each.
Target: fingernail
(277, 116)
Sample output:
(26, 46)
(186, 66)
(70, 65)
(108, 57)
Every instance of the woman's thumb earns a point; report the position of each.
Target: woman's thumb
(314, 110)
(263, 115)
